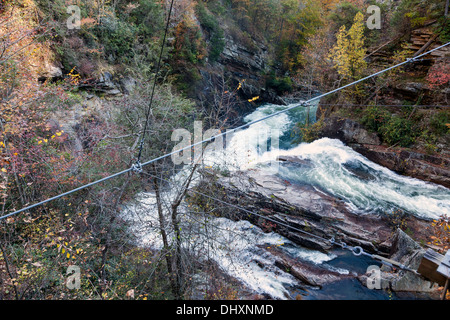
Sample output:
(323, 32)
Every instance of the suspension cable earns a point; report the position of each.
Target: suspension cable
(355, 250)
(138, 166)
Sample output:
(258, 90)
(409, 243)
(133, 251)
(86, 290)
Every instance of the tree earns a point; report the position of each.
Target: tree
(349, 52)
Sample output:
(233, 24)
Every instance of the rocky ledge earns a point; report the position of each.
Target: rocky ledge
(433, 168)
(313, 218)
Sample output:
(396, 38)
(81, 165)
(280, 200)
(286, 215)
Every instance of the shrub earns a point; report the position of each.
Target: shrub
(343, 15)
(374, 118)
(210, 23)
(307, 132)
(398, 131)
(280, 85)
(439, 122)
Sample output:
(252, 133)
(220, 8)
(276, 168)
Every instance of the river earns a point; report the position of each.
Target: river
(333, 168)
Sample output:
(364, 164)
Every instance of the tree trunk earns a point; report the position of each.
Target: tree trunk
(8, 270)
(108, 237)
(162, 227)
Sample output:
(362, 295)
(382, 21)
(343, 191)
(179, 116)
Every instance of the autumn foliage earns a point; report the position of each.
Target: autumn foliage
(439, 75)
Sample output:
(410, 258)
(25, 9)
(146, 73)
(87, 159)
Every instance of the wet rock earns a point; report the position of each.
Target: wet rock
(310, 211)
(297, 160)
(433, 168)
(308, 273)
(409, 253)
(348, 131)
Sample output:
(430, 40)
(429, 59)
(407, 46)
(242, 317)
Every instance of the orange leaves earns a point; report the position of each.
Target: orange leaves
(88, 22)
(440, 229)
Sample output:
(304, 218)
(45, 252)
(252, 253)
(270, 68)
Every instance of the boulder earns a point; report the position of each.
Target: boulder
(409, 253)
(348, 131)
(50, 71)
(127, 84)
(308, 273)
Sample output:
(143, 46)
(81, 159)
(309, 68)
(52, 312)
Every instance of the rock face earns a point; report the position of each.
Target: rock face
(426, 167)
(313, 218)
(418, 165)
(348, 131)
(242, 59)
(308, 273)
(239, 63)
(108, 85)
(409, 253)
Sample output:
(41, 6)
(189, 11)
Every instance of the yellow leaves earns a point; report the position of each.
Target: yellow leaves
(240, 85)
(348, 53)
(74, 77)
(57, 134)
(253, 99)
(4, 170)
(440, 233)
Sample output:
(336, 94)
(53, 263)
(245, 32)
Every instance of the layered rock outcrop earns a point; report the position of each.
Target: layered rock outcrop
(432, 168)
(314, 217)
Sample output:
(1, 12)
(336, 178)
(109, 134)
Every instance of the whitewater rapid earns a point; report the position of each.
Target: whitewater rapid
(334, 168)
(331, 167)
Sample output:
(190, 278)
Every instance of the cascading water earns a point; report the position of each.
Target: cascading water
(338, 170)
(332, 168)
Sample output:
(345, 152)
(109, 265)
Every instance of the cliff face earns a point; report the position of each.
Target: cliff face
(242, 64)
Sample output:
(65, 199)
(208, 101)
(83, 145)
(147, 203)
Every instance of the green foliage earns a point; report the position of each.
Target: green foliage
(148, 16)
(119, 40)
(208, 21)
(343, 15)
(375, 117)
(398, 131)
(279, 84)
(414, 13)
(439, 122)
(443, 29)
(393, 129)
(307, 132)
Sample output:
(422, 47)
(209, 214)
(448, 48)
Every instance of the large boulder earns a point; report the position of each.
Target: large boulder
(348, 131)
(49, 71)
(409, 253)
